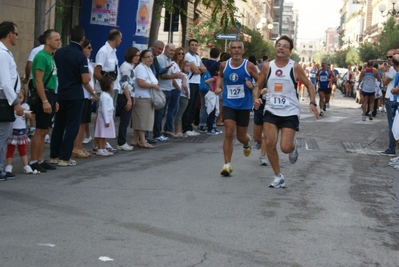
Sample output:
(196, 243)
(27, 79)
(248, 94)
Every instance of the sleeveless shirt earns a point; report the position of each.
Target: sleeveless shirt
(369, 81)
(236, 94)
(324, 75)
(282, 98)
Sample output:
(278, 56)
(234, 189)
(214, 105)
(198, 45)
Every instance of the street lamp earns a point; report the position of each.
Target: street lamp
(394, 12)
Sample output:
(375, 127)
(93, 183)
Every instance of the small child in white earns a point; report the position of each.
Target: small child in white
(19, 138)
(105, 127)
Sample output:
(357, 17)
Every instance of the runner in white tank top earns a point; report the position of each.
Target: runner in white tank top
(282, 109)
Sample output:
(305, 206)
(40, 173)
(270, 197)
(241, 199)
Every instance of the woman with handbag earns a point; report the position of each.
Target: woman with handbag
(143, 110)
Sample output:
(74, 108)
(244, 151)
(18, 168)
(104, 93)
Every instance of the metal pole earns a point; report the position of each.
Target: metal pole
(170, 34)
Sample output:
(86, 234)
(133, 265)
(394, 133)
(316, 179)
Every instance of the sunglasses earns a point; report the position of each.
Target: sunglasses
(389, 56)
(89, 47)
(181, 53)
(16, 34)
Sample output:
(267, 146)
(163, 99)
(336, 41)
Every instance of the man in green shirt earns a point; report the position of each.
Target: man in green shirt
(44, 73)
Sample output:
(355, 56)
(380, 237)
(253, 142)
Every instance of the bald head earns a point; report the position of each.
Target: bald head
(395, 60)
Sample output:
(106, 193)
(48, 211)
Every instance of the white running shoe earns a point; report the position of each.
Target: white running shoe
(278, 181)
(293, 156)
(262, 161)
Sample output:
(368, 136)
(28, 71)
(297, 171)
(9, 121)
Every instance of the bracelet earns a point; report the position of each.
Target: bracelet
(45, 101)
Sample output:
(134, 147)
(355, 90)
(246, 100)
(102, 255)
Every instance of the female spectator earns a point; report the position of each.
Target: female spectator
(178, 64)
(90, 95)
(349, 82)
(143, 111)
(125, 99)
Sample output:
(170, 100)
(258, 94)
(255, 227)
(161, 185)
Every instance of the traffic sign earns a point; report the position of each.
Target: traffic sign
(226, 36)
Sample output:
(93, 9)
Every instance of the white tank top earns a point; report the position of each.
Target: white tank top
(281, 98)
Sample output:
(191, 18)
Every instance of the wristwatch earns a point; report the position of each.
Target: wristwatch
(313, 103)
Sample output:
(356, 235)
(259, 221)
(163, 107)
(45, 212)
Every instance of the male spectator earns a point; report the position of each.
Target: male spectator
(237, 101)
(107, 62)
(9, 86)
(28, 78)
(168, 86)
(44, 73)
(212, 65)
(388, 76)
(325, 76)
(156, 50)
(196, 69)
(73, 72)
(283, 109)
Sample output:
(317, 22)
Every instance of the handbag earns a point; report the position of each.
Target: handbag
(6, 111)
(33, 96)
(158, 98)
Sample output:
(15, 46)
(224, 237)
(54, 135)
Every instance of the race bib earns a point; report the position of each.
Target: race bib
(278, 101)
(235, 91)
(323, 78)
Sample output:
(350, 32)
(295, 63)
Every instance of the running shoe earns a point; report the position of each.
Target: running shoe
(226, 170)
(262, 161)
(327, 105)
(278, 181)
(293, 156)
(370, 117)
(258, 145)
(388, 152)
(321, 113)
(393, 161)
(363, 118)
(248, 148)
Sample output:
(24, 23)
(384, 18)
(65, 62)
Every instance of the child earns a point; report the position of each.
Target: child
(105, 127)
(19, 137)
(212, 105)
(183, 100)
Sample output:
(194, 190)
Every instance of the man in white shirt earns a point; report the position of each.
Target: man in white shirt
(196, 69)
(388, 78)
(168, 86)
(10, 86)
(107, 62)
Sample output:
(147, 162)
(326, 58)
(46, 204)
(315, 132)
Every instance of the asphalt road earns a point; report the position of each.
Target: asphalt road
(170, 206)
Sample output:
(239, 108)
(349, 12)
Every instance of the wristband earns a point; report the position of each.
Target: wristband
(313, 103)
(45, 101)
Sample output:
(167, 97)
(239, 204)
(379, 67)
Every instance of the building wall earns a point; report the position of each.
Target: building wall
(22, 13)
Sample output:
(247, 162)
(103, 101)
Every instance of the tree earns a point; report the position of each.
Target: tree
(389, 37)
(225, 9)
(352, 57)
(295, 57)
(368, 51)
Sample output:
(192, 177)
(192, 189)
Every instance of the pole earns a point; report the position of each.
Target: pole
(225, 45)
(170, 34)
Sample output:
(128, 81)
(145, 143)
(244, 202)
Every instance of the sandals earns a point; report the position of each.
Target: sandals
(65, 163)
(82, 154)
(134, 144)
(146, 146)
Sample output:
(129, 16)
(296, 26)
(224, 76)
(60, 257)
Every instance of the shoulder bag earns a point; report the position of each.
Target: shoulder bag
(33, 96)
(158, 98)
(6, 111)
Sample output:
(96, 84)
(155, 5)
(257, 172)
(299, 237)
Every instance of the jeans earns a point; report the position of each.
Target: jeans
(203, 115)
(158, 117)
(5, 133)
(124, 118)
(173, 107)
(211, 120)
(189, 113)
(62, 138)
(389, 109)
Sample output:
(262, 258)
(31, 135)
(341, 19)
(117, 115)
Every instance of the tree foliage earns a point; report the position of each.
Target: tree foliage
(368, 51)
(389, 37)
(206, 32)
(352, 57)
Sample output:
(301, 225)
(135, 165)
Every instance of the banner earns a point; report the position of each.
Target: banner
(143, 18)
(104, 12)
